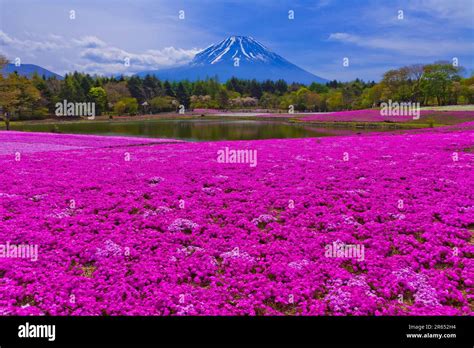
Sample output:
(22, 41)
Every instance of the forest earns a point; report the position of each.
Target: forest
(440, 83)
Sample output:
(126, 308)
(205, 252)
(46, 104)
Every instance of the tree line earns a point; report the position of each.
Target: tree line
(21, 98)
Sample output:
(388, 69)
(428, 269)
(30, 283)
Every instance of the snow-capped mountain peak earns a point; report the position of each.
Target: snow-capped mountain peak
(255, 61)
(244, 48)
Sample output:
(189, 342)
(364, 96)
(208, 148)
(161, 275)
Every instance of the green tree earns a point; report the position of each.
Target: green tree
(135, 86)
(152, 87)
(255, 89)
(281, 87)
(116, 91)
(126, 106)
(163, 104)
(182, 95)
(199, 88)
(335, 100)
(28, 96)
(168, 89)
(269, 101)
(222, 98)
(99, 97)
(9, 95)
(467, 91)
(371, 96)
(318, 88)
(69, 90)
(438, 80)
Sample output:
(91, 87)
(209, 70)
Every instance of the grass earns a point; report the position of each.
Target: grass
(450, 108)
(367, 125)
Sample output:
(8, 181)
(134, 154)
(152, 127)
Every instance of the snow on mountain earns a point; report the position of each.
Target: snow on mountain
(237, 56)
(241, 47)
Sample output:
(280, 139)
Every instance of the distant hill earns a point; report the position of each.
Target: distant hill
(255, 62)
(28, 70)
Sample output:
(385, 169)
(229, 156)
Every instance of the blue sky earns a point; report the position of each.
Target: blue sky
(321, 34)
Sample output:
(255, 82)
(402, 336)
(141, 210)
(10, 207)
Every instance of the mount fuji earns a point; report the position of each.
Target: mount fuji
(237, 56)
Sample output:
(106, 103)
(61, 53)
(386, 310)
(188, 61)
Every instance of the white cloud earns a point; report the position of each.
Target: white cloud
(5, 40)
(408, 46)
(459, 11)
(28, 45)
(112, 59)
(344, 37)
(96, 56)
(89, 42)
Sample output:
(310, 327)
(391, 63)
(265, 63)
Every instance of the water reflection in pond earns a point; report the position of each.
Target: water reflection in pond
(193, 130)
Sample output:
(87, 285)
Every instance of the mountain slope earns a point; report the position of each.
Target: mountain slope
(254, 61)
(28, 70)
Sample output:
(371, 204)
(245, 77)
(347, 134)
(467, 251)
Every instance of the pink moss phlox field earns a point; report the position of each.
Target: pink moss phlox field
(374, 115)
(13, 141)
(206, 111)
(174, 232)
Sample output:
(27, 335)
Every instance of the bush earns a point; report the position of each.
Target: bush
(126, 106)
(162, 104)
(462, 100)
(40, 113)
(203, 102)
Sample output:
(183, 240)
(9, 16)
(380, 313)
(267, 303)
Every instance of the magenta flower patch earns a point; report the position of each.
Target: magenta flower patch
(380, 224)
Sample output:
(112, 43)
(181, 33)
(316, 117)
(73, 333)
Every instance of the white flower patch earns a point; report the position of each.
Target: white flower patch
(61, 214)
(7, 195)
(160, 210)
(398, 216)
(264, 218)
(211, 191)
(349, 220)
(189, 250)
(237, 254)
(298, 264)
(182, 225)
(110, 249)
(425, 294)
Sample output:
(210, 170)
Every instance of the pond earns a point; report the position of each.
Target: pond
(190, 129)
